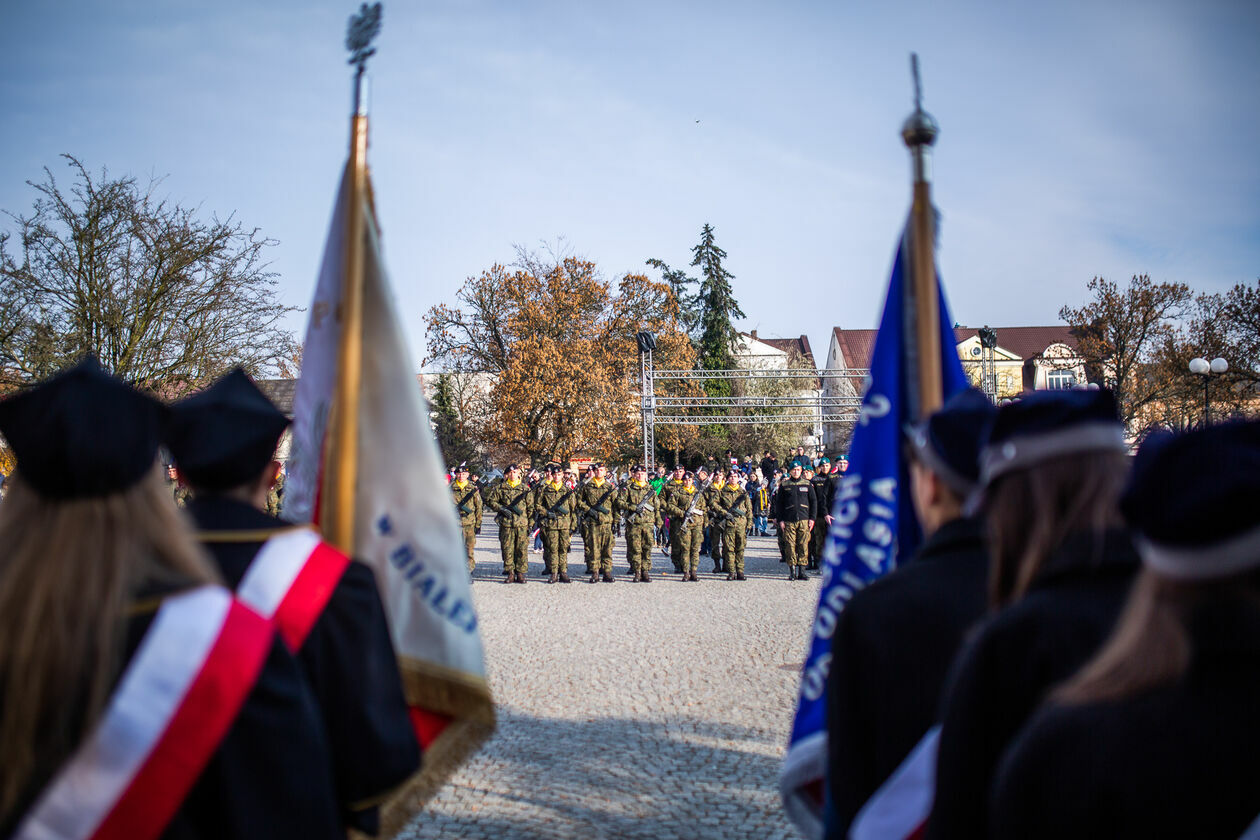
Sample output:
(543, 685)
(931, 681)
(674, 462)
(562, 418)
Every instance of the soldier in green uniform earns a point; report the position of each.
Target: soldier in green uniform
(553, 505)
(513, 506)
(468, 508)
(642, 511)
(594, 506)
(795, 507)
(714, 535)
(732, 513)
(686, 509)
(675, 533)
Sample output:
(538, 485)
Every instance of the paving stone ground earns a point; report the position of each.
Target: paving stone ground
(631, 710)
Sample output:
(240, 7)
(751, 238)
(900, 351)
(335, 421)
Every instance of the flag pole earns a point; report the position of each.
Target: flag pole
(919, 133)
(341, 457)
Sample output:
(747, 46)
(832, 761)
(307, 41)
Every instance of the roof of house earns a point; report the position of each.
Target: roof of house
(856, 346)
(800, 345)
(279, 391)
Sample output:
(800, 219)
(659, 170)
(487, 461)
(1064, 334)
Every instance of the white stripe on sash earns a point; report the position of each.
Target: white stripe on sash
(274, 569)
(903, 803)
(169, 658)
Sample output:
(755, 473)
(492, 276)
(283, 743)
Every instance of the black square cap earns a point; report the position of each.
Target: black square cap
(82, 433)
(225, 435)
(949, 441)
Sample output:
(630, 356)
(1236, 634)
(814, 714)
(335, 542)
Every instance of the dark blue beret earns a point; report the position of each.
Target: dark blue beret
(1048, 424)
(226, 435)
(1194, 497)
(82, 433)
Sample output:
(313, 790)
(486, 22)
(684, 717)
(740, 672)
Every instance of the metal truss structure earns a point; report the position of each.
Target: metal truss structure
(814, 410)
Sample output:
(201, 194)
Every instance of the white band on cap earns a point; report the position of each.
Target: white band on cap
(1219, 560)
(1021, 452)
(934, 462)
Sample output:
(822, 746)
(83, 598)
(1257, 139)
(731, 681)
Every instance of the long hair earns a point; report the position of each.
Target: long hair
(68, 572)
(1150, 645)
(1031, 511)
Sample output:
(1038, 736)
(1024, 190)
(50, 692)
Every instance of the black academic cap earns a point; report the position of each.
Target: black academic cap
(225, 435)
(948, 442)
(82, 433)
(1195, 501)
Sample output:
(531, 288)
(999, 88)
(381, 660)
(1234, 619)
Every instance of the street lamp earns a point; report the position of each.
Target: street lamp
(1202, 367)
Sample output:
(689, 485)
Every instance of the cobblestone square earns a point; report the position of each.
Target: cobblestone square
(629, 710)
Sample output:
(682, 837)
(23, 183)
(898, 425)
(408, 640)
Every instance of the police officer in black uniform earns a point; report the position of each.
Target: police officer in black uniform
(223, 440)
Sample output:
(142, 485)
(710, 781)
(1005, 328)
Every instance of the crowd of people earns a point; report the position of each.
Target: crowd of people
(710, 512)
(1074, 650)
(213, 673)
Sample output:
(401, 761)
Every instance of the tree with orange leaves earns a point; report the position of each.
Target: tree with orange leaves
(556, 344)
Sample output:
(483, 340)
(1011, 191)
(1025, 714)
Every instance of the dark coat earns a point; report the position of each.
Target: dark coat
(768, 467)
(795, 501)
(348, 658)
(1176, 761)
(270, 775)
(890, 655)
(824, 493)
(1015, 658)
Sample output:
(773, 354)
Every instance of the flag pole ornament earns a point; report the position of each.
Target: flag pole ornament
(914, 366)
(366, 471)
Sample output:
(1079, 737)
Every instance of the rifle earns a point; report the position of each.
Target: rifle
(512, 505)
(643, 507)
(460, 504)
(586, 514)
(730, 514)
(691, 508)
(550, 514)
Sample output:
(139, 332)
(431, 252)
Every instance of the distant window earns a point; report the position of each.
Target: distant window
(1060, 380)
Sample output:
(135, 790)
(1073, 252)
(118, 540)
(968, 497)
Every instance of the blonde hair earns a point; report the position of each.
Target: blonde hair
(68, 572)
(1032, 511)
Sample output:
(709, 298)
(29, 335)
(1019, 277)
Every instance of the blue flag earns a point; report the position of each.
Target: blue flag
(873, 522)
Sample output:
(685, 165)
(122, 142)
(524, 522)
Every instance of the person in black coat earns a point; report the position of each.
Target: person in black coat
(1061, 566)
(223, 439)
(895, 639)
(1157, 735)
(769, 466)
(94, 550)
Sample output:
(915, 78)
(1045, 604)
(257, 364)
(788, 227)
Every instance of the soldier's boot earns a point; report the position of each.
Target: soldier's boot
(646, 576)
(564, 576)
(791, 572)
(694, 578)
(593, 578)
(800, 573)
(553, 577)
(519, 577)
(740, 576)
(608, 578)
(730, 576)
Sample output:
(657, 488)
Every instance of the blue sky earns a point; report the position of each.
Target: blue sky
(1077, 138)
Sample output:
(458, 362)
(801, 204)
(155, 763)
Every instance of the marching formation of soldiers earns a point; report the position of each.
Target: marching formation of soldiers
(692, 513)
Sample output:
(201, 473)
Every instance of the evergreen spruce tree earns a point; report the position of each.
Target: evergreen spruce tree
(688, 302)
(717, 311)
(455, 448)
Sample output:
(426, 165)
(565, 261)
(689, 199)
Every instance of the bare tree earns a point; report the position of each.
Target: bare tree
(1120, 332)
(166, 299)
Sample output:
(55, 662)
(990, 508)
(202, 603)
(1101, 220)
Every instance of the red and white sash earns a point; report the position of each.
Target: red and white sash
(173, 706)
(902, 805)
(290, 581)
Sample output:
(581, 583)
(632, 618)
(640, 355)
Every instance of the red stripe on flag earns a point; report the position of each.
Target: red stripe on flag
(195, 730)
(428, 725)
(309, 594)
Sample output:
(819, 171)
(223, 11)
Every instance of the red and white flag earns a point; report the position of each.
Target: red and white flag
(365, 469)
